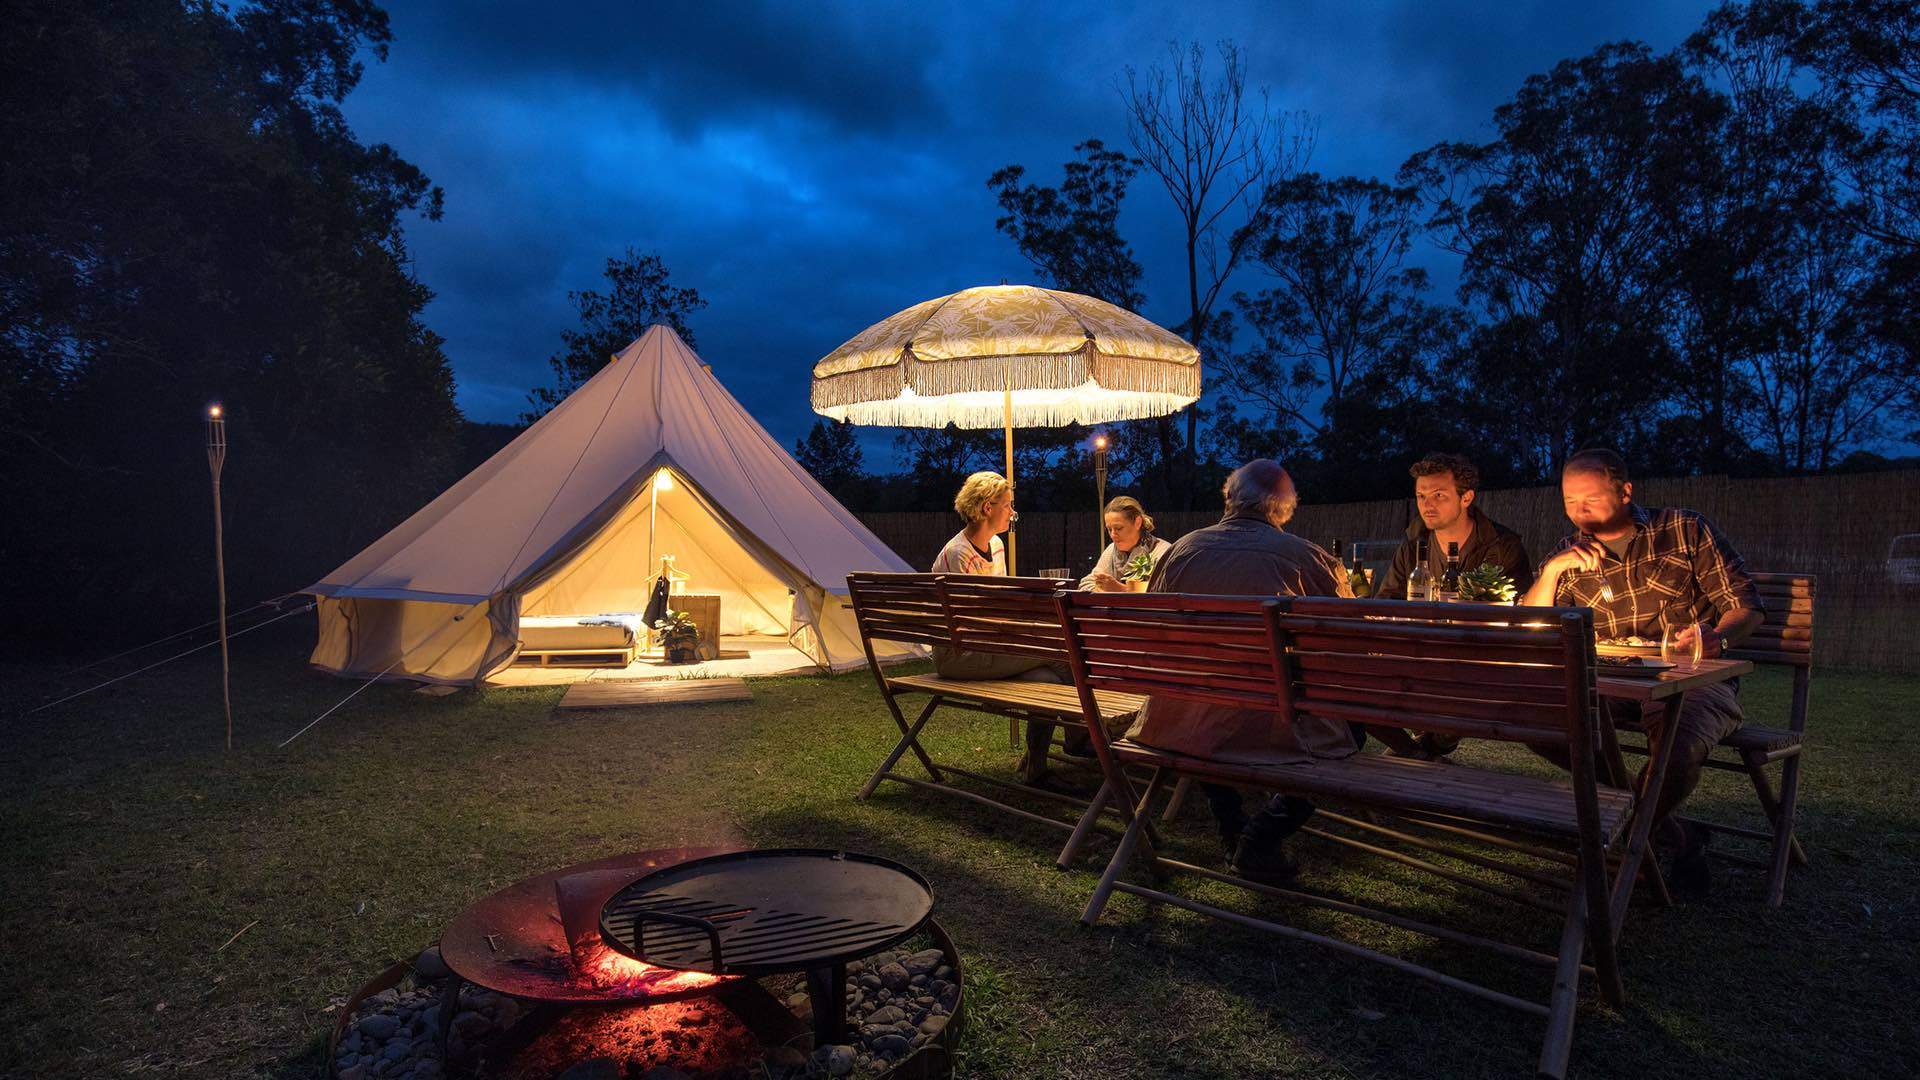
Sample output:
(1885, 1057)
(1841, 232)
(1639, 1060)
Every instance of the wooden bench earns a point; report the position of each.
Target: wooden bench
(1784, 639)
(1005, 615)
(1396, 664)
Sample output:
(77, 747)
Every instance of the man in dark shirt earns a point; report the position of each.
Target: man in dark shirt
(1444, 489)
(1649, 573)
(1248, 553)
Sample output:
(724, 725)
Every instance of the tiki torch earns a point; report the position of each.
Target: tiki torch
(216, 460)
(1100, 489)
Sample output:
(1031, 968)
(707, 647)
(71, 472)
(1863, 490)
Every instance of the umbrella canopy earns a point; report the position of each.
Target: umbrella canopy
(1007, 355)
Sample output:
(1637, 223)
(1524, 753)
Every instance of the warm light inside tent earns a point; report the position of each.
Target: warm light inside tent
(662, 481)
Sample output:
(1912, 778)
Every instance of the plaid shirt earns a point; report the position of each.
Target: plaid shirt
(1678, 570)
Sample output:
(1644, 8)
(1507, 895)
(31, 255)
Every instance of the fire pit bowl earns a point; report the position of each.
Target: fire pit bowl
(531, 1009)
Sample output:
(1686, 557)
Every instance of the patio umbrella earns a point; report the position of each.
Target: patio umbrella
(1007, 356)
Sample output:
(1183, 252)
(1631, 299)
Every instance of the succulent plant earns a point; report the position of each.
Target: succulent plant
(1138, 568)
(1486, 584)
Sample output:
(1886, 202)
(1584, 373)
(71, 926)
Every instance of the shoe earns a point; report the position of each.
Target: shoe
(1263, 865)
(1437, 745)
(1690, 873)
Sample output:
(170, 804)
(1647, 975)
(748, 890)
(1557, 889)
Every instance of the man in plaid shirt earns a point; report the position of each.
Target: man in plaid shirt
(1646, 573)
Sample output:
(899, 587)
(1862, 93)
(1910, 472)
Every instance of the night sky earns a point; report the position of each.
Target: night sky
(811, 169)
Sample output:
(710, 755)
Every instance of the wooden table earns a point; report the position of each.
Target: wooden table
(1667, 689)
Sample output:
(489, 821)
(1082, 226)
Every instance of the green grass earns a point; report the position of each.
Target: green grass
(135, 848)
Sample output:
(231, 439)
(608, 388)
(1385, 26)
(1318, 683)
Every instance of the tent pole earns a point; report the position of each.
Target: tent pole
(1007, 405)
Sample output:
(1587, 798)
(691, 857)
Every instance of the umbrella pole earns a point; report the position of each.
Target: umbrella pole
(1007, 404)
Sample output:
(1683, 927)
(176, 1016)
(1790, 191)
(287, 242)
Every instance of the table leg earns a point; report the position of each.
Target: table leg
(827, 991)
(1646, 807)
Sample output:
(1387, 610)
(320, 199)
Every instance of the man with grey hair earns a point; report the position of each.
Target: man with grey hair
(1248, 553)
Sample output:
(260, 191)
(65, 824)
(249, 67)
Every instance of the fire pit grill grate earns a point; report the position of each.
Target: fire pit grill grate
(771, 911)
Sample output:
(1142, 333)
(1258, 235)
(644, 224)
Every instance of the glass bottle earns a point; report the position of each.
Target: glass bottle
(1420, 579)
(1450, 577)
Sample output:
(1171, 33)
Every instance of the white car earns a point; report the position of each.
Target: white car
(1903, 560)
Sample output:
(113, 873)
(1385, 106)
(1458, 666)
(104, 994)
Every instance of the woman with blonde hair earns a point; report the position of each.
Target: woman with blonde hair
(985, 503)
(1131, 531)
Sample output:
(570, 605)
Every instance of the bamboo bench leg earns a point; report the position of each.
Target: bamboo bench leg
(1136, 823)
(1785, 845)
(1557, 1048)
(1177, 800)
(909, 737)
(1072, 851)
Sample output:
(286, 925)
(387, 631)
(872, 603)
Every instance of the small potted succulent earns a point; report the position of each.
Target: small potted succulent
(1137, 570)
(680, 638)
(1486, 584)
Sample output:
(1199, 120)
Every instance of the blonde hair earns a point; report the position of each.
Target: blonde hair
(1130, 506)
(980, 489)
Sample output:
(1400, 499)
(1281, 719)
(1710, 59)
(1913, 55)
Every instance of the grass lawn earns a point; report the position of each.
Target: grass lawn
(135, 848)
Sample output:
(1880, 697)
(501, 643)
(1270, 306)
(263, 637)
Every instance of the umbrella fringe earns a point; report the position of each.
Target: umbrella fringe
(876, 391)
(920, 412)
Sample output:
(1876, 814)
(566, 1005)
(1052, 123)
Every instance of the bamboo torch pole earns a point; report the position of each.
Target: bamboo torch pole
(217, 460)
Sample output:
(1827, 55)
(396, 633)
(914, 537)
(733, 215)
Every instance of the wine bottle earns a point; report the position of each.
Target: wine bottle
(1450, 577)
(1420, 579)
(1357, 575)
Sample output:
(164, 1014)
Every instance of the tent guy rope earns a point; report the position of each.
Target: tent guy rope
(168, 660)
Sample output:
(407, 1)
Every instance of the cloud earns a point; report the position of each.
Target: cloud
(813, 168)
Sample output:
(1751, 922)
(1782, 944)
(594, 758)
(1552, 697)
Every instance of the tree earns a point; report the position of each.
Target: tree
(1210, 148)
(643, 294)
(1344, 302)
(185, 215)
(1566, 251)
(832, 455)
(1071, 233)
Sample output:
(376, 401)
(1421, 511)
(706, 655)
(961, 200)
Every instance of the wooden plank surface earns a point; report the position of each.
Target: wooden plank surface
(1684, 677)
(631, 693)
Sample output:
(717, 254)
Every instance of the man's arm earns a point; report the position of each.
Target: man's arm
(1722, 575)
(1576, 553)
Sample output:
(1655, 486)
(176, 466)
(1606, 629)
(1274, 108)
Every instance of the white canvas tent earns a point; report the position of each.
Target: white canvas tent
(556, 524)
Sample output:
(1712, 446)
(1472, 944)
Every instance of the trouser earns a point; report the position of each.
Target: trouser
(1707, 715)
(954, 664)
(1272, 823)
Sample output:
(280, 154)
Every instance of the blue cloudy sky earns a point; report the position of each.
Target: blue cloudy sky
(812, 168)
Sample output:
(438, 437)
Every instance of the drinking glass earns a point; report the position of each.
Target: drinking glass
(1670, 648)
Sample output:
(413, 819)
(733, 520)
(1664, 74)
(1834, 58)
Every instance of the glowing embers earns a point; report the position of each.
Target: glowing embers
(615, 973)
(695, 1037)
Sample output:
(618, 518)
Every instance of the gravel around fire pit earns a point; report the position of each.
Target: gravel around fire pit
(897, 1001)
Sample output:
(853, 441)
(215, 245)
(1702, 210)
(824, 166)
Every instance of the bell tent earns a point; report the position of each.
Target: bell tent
(651, 456)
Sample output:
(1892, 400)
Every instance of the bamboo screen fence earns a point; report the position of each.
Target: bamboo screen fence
(1838, 527)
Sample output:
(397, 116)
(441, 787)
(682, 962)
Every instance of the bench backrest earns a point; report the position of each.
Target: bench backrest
(1786, 637)
(975, 613)
(1511, 674)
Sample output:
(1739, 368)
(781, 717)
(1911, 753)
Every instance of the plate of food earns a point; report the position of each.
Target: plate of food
(1628, 646)
(1618, 664)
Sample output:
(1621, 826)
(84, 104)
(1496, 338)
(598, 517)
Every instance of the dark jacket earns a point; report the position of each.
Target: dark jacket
(1490, 542)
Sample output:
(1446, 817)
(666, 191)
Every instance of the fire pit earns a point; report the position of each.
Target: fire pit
(527, 983)
(769, 912)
